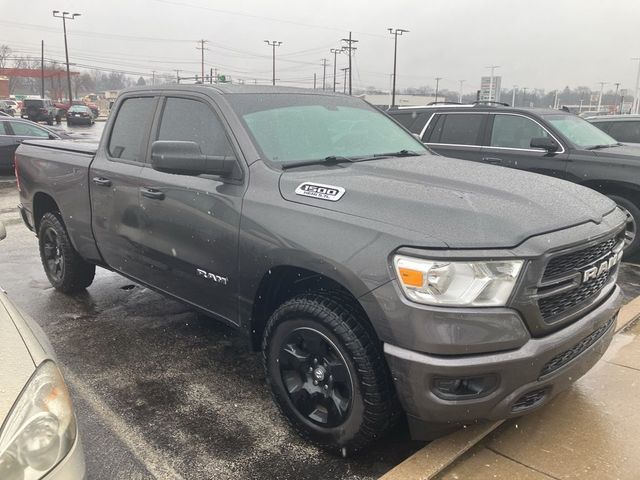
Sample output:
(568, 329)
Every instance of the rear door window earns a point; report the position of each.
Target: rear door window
(460, 129)
(625, 131)
(515, 131)
(130, 128)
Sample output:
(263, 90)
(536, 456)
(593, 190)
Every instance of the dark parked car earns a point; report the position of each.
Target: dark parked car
(79, 115)
(551, 142)
(370, 273)
(624, 128)
(13, 131)
(39, 110)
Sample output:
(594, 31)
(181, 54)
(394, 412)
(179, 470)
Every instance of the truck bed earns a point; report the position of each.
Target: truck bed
(59, 169)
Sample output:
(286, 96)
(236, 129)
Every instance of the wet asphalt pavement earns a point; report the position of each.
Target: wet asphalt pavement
(163, 392)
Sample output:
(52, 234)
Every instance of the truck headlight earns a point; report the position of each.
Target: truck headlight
(455, 283)
(40, 429)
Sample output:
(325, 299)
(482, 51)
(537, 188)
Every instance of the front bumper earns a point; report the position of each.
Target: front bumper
(518, 371)
(72, 467)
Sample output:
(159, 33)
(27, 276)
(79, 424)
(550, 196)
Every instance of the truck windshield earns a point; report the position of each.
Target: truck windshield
(298, 127)
(580, 132)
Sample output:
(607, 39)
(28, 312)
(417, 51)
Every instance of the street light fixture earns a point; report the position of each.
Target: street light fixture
(274, 44)
(66, 16)
(395, 33)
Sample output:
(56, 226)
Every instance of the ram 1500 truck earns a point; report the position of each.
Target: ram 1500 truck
(375, 277)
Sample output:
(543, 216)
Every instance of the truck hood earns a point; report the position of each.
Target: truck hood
(464, 204)
(625, 151)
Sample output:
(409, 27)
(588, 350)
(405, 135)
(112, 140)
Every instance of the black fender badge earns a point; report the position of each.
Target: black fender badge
(318, 190)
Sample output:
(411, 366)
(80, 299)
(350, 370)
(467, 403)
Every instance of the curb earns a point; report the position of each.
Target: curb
(435, 457)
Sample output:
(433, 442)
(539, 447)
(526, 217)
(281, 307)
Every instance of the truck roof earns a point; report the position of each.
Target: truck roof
(229, 89)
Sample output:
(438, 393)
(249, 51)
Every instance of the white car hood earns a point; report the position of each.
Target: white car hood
(16, 363)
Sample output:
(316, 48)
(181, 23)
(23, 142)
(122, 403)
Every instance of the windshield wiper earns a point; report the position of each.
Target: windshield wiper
(598, 147)
(330, 160)
(401, 153)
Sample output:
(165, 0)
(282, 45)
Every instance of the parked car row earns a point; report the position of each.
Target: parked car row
(550, 142)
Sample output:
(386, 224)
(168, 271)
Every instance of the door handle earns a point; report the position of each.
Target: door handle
(152, 193)
(101, 181)
(492, 160)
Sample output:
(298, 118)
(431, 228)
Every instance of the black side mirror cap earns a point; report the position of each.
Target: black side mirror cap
(186, 158)
(545, 143)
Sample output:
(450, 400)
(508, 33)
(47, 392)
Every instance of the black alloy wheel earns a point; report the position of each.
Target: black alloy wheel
(316, 377)
(53, 259)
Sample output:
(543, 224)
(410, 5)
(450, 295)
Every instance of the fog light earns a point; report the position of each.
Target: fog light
(466, 387)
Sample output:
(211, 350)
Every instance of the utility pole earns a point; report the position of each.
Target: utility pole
(395, 33)
(513, 96)
(211, 75)
(636, 100)
(202, 48)
(524, 96)
(177, 76)
(437, 87)
(615, 98)
(153, 77)
(66, 16)
(335, 52)
(602, 84)
(344, 83)
(274, 44)
(324, 73)
(460, 92)
(555, 100)
(41, 68)
(350, 48)
(492, 96)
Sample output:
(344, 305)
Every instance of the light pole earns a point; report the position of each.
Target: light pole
(615, 98)
(602, 84)
(437, 87)
(395, 33)
(513, 96)
(335, 52)
(460, 92)
(636, 102)
(491, 92)
(66, 16)
(274, 44)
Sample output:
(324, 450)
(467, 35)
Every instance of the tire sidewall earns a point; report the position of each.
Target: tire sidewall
(286, 321)
(633, 209)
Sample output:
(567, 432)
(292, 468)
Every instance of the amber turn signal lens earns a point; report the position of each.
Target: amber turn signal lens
(411, 278)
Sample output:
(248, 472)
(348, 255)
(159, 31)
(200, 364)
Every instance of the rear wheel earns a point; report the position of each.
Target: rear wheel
(632, 239)
(65, 269)
(327, 374)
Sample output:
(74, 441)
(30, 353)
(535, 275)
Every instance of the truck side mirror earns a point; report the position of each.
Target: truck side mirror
(3, 231)
(545, 143)
(186, 158)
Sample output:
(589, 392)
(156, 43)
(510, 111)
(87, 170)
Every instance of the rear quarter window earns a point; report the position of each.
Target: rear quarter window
(627, 131)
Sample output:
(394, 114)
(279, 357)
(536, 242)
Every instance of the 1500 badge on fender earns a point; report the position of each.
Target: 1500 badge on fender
(318, 190)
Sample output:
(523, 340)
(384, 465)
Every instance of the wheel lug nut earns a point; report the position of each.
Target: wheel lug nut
(310, 369)
(315, 382)
(326, 387)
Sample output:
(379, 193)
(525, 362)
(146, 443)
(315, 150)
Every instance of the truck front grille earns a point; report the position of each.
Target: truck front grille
(557, 304)
(565, 357)
(568, 263)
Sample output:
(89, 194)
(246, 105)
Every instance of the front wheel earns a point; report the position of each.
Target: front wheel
(65, 269)
(327, 374)
(631, 210)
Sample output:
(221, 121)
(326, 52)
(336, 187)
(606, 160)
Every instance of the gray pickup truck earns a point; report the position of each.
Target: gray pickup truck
(375, 277)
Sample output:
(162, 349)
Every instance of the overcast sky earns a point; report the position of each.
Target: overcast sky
(541, 43)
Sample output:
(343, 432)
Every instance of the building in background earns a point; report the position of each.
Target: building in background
(489, 92)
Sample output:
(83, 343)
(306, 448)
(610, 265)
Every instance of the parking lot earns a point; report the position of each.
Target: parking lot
(162, 392)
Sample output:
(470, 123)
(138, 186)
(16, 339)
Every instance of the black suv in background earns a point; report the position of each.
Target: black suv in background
(39, 110)
(550, 142)
(624, 128)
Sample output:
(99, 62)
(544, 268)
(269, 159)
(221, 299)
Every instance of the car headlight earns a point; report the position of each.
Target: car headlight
(40, 429)
(456, 283)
